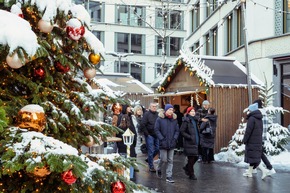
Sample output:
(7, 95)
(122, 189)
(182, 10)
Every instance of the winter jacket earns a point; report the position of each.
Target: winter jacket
(201, 113)
(205, 140)
(148, 122)
(167, 131)
(253, 137)
(190, 133)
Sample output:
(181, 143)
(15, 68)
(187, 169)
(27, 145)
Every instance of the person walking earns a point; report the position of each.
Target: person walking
(201, 113)
(189, 131)
(167, 131)
(137, 119)
(265, 121)
(152, 142)
(207, 140)
(253, 141)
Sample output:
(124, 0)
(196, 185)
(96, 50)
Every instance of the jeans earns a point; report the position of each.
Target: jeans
(190, 165)
(152, 148)
(166, 156)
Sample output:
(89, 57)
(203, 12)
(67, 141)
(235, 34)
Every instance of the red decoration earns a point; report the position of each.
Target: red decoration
(75, 30)
(61, 68)
(39, 72)
(68, 177)
(118, 187)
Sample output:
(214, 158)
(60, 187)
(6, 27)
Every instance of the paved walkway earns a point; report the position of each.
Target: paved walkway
(213, 178)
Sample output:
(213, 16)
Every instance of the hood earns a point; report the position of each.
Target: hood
(257, 114)
(162, 115)
(211, 117)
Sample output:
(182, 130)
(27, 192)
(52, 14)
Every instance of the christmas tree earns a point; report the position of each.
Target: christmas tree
(48, 109)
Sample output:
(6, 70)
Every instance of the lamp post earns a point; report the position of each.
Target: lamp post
(128, 138)
(120, 56)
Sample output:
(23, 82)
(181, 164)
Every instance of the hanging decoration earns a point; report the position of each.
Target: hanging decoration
(39, 72)
(60, 68)
(31, 117)
(94, 58)
(118, 187)
(41, 172)
(75, 29)
(90, 73)
(45, 26)
(68, 177)
(90, 142)
(14, 61)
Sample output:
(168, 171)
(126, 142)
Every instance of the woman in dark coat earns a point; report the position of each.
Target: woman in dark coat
(125, 121)
(189, 131)
(253, 140)
(207, 141)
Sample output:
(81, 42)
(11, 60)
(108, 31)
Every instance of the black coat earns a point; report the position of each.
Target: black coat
(190, 133)
(148, 123)
(167, 131)
(253, 137)
(208, 141)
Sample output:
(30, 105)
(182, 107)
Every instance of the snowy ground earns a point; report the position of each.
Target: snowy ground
(280, 162)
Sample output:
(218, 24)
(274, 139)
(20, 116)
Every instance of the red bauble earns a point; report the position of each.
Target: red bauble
(39, 72)
(118, 187)
(75, 30)
(68, 177)
(61, 68)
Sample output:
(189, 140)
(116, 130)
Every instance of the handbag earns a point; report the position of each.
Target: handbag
(208, 130)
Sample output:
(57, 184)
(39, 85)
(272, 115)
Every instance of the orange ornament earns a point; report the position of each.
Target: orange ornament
(94, 58)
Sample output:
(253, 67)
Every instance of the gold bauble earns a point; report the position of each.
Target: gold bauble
(41, 172)
(90, 73)
(31, 117)
(94, 58)
(91, 141)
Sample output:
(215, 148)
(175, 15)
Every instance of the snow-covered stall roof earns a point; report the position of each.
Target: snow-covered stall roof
(121, 84)
(210, 70)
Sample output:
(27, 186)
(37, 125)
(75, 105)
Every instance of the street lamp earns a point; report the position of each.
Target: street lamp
(120, 56)
(128, 139)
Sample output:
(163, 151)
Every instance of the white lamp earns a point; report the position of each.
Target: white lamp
(128, 137)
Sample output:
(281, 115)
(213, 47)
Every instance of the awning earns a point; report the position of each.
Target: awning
(173, 93)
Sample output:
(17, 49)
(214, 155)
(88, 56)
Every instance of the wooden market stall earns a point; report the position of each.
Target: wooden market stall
(221, 80)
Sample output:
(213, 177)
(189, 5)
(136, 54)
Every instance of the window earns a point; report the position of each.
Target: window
(196, 48)
(127, 43)
(286, 16)
(240, 31)
(158, 69)
(172, 45)
(229, 33)
(211, 7)
(285, 93)
(136, 70)
(95, 9)
(207, 45)
(214, 42)
(171, 19)
(195, 17)
(130, 15)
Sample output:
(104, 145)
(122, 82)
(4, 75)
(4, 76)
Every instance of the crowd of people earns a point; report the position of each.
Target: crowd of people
(163, 131)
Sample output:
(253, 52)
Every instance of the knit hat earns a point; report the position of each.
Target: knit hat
(189, 109)
(253, 107)
(205, 102)
(167, 106)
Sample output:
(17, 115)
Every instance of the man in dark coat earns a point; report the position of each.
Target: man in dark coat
(253, 141)
(167, 131)
(152, 142)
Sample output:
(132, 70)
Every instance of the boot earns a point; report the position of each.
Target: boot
(249, 172)
(264, 171)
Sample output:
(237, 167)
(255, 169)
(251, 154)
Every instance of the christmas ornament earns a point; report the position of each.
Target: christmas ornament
(91, 141)
(41, 172)
(19, 89)
(68, 177)
(39, 72)
(74, 29)
(118, 187)
(59, 67)
(13, 61)
(90, 73)
(31, 117)
(94, 58)
(45, 26)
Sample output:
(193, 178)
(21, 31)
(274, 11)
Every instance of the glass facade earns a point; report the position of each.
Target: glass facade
(127, 43)
(285, 92)
(168, 19)
(172, 46)
(130, 15)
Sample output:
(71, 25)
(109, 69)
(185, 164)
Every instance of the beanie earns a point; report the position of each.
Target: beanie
(167, 106)
(189, 109)
(253, 107)
(205, 102)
